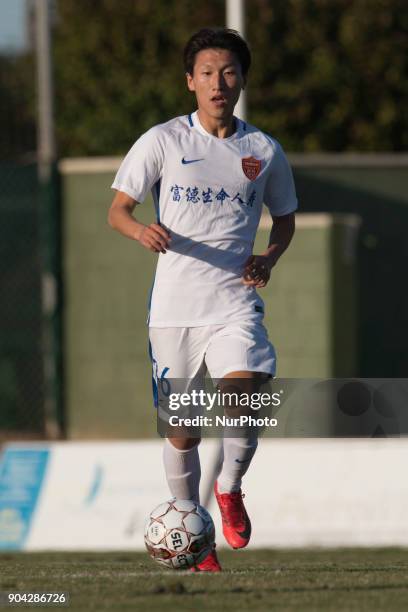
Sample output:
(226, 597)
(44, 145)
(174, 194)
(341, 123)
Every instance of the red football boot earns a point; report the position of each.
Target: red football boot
(210, 563)
(236, 525)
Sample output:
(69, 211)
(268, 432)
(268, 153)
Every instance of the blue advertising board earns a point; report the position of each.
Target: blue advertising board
(22, 472)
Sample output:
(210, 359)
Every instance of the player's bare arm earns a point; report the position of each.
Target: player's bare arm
(120, 217)
(258, 268)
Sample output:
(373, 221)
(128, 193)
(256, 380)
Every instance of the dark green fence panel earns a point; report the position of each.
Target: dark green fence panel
(375, 187)
(21, 363)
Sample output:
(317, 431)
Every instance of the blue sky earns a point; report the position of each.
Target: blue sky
(12, 25)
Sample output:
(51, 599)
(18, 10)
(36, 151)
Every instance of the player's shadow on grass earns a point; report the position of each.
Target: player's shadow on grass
(178, 588)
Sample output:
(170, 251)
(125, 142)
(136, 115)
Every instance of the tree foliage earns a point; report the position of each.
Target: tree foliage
(328, 75)
(17, 107)
(331, 75)
(119, 68)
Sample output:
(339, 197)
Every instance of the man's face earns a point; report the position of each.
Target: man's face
(217, 81)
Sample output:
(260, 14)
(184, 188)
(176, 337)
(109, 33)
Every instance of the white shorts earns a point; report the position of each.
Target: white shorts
(189, 352)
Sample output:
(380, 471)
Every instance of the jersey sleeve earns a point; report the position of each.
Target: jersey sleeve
(142, 166)
(280, 194)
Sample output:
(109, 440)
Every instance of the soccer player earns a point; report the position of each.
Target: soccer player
(209, 173)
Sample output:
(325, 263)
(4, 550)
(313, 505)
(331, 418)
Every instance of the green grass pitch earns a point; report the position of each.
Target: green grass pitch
(302, 580)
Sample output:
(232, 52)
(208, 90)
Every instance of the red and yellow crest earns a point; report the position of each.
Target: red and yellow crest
(251, 167)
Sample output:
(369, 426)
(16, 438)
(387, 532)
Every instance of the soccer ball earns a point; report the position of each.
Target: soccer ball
(179, 534)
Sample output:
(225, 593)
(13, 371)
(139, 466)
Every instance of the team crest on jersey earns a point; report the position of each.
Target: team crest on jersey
(251, 167)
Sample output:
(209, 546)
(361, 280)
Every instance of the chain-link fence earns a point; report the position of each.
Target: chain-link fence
(24, 379)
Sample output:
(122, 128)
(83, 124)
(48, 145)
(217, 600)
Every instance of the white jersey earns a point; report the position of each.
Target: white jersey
(208, 192)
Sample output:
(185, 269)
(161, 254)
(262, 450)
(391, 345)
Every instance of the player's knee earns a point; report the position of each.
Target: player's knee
(184, 443)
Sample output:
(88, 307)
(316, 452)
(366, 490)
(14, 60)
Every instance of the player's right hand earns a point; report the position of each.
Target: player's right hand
(155, 238)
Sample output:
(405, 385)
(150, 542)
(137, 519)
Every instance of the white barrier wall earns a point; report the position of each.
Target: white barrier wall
(96, 496)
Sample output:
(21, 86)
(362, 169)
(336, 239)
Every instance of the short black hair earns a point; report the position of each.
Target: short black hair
(217, 38)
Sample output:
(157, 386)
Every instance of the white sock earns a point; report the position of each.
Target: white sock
(183, 471)
(238, 453)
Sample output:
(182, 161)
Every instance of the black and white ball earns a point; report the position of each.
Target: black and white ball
(179, 534)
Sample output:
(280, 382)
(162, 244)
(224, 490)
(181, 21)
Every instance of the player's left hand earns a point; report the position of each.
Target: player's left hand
(257, 271)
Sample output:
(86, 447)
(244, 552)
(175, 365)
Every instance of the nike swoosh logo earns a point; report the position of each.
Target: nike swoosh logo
(246, 533)
(191, 161)
(243, 461)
